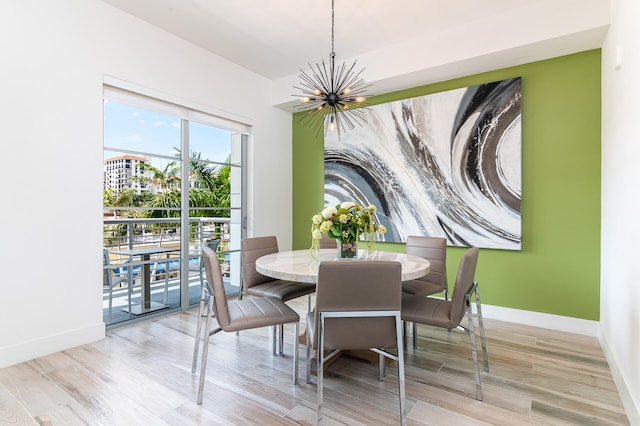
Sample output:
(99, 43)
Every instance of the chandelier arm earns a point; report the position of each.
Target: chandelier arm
(322, 77)
(309, 81)
(350, 79)
(340, 79)
(346, 118)
(312, 119)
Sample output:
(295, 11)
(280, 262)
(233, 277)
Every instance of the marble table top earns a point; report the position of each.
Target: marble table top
(299, 265)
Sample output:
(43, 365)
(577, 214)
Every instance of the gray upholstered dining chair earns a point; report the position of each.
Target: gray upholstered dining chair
(256, 284)
(450, 313)
(212, 244)
(357, 307)
(434, 249)
(236, 315)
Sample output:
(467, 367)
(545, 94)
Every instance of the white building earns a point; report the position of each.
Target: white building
(119, 171)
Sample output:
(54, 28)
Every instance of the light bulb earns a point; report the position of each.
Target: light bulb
(332, 125)
(360, 99)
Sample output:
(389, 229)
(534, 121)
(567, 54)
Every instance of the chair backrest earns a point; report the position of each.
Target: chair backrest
(215, 286)
(358, 285)
(251, 249)
(213, 243)
(465, 280)
(326, 242)
(434, 249)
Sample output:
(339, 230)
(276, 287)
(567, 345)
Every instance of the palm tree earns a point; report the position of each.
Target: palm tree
(124, 198)
(211, 187)
(201, 174)
(165, 179)
(210, 193)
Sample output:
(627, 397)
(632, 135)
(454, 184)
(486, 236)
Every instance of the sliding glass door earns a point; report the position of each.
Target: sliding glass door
(173, 183)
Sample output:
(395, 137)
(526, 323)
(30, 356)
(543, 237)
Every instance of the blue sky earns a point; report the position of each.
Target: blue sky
(137, 129)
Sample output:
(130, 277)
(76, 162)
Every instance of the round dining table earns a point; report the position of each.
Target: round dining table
(301, 266)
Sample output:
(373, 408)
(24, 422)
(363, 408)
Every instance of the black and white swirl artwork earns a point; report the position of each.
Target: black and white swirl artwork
(446, 164)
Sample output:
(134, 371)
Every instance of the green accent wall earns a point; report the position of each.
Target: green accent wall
(558, 269)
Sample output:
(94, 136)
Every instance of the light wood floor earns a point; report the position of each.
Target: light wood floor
(141, 375)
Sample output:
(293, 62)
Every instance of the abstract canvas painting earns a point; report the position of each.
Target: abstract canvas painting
(446, 164)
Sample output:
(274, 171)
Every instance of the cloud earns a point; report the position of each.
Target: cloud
(175, 124)
(134, 138)
(160, 123)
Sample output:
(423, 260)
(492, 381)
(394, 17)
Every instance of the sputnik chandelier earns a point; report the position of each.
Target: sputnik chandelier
(329, 95)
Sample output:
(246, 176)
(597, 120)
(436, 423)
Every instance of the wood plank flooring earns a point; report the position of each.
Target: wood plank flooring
(141, 375)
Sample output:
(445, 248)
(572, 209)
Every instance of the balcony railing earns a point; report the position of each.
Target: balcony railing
(164, 276)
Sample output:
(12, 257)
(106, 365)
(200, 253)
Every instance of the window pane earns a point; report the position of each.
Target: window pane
(136, 129)
(209, 143)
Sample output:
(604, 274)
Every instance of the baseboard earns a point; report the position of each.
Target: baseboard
(538, 319)
(630, 408)
(25, 351)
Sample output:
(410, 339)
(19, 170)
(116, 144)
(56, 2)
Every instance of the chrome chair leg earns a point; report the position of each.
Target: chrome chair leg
(281, 339)
(320, 370)
(404, 332)
(308, 344)
(474, 351)
(240, 290)
(483, 341)
(205, 349)
(296, 349)
(198, 330)
(274, 332)
(401, 381)
(414, 335)
(414, 332)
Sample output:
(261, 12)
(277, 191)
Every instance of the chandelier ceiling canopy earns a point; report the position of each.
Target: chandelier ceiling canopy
(331, 96)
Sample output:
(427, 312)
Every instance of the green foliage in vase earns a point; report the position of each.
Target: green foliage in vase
(346, 222)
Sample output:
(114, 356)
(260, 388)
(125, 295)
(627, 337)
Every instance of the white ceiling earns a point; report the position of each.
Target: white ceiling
(277, 38)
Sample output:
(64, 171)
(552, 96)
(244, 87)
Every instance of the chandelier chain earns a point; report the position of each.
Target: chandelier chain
(332, 27)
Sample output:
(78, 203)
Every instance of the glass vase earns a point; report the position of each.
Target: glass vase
(348, 250)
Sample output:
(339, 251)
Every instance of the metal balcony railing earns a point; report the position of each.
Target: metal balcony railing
(163, 269)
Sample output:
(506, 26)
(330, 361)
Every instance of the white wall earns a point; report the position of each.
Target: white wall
(54, 59)
(620, 280)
